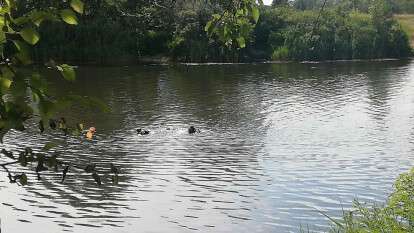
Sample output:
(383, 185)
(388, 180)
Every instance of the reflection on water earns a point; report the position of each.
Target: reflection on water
(279, 143)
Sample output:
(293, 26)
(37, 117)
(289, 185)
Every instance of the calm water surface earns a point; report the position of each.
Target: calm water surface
(278, 144)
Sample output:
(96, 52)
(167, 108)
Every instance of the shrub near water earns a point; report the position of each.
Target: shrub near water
(344, 30)
(407, 23)
(396, 216)
(281, 54)
(342, 35)
(402, 200)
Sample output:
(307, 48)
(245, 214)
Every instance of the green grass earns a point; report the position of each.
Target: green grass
(394, 216)
(407, 22)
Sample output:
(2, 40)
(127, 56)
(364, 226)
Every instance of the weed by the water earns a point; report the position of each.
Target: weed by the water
(395, 216)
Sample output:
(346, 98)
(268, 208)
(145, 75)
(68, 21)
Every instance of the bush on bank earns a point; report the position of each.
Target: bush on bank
(396, 216)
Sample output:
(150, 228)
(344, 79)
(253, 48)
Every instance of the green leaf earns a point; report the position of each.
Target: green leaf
(30, 35)
(77, 5)
(24, 52)
(67, 71)
(2, 37)
(50, 145)
(18, 89)
(38, 82)
(7, 72)
(52, 161)
(255, 14)
(46, 107)
(245, 29)
(69, 16)
(21, 20)
(80, 127)
(115, 179)
(23, 179)
(242, 42)
(37, 17)
(22, 159)
(5, 84)
(208, 26)
(225, 31)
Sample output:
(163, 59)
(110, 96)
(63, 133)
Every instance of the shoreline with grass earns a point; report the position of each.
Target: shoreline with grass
(407, 23)
(395, 215)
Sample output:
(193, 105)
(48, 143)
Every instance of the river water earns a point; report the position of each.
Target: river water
(279, 144)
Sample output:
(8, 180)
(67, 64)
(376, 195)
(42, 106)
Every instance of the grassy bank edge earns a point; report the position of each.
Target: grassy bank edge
(407, 23)
(396, 215)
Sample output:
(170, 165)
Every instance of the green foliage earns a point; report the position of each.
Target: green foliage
(339, 32)
(68, 72)
(112, 32)
(77, 6)
(69, 16)
(407, 23)
(19, 33)
(30, 35)
(281, 54)
(269, 34)
(363, 35)
(189, 41)
(402, 200)
(279, 2)
(50, 145)
(404, 6)
(396, 216)
(23, 179)
(191, 44)
(235, 23)
(397, 6)
(307, 4)
(24, 92)
(119, 31)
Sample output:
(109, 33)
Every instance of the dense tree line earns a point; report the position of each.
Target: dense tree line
(344, 30)
(120, 31)
(113, 31)
(404, 6)
(397, 6)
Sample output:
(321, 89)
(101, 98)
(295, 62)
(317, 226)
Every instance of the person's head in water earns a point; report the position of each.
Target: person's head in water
(192, 130)
(91, 132)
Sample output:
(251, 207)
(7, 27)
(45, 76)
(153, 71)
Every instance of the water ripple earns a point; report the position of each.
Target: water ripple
(278, 144)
